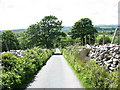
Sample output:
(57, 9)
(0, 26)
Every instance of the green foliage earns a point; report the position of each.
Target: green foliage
(65, 41)
(17, 72)
(108, 37)
(117, 40)
(106, 40)
(0, 45)
(89, 73)
(9, 41)
(84, 29)
(24, 40)
(45, 32)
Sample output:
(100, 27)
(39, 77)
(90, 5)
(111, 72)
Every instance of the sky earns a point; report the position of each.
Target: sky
(19, 14)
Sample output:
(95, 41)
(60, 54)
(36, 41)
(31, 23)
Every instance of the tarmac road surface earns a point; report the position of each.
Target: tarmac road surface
(56, 74)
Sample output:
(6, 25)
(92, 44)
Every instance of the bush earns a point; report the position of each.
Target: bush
(17, 72)
(106, 40)
(89, 73)
(9, 41)
(8, 60)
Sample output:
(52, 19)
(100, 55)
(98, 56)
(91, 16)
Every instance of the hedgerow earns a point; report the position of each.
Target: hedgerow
(18, 72)
(89, 73)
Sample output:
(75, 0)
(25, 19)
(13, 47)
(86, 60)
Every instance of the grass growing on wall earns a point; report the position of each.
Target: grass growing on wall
(89, 73)
(17, 72)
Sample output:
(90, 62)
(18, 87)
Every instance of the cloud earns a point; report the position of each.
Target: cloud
(22, 13)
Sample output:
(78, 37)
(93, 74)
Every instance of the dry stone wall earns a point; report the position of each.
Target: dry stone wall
(18, 53)
(106, 55)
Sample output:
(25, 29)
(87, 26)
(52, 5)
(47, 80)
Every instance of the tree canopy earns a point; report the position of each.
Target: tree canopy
(84, 30)
(45, 32)
(9, 41)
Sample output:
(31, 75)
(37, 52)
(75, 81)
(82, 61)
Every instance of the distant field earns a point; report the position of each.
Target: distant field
(16, 31)
(67, 29)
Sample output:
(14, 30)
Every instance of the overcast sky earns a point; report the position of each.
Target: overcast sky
(16, 14)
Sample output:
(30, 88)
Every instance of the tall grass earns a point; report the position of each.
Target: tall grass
(89, 73)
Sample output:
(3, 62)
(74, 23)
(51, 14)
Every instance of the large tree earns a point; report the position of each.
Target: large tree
(24, 40)
(45, 32)
(84, 30)
(9, 41)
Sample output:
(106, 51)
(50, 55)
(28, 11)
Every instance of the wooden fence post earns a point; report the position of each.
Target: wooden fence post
(113, 39)
(103, 38)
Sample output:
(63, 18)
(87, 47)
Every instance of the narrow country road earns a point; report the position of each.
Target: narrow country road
(56, 74)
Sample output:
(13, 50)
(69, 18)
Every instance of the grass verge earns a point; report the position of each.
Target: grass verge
(89, 73)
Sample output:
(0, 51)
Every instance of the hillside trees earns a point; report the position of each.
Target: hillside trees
(46, 32)
(84, 30)
(9, 41)
(24, 40)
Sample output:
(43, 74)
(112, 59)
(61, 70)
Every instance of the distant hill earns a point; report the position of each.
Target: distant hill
(19, 29)
(16, 31)
(106, 27)
(67, 29)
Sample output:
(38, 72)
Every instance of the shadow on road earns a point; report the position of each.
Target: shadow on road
(57, 53)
